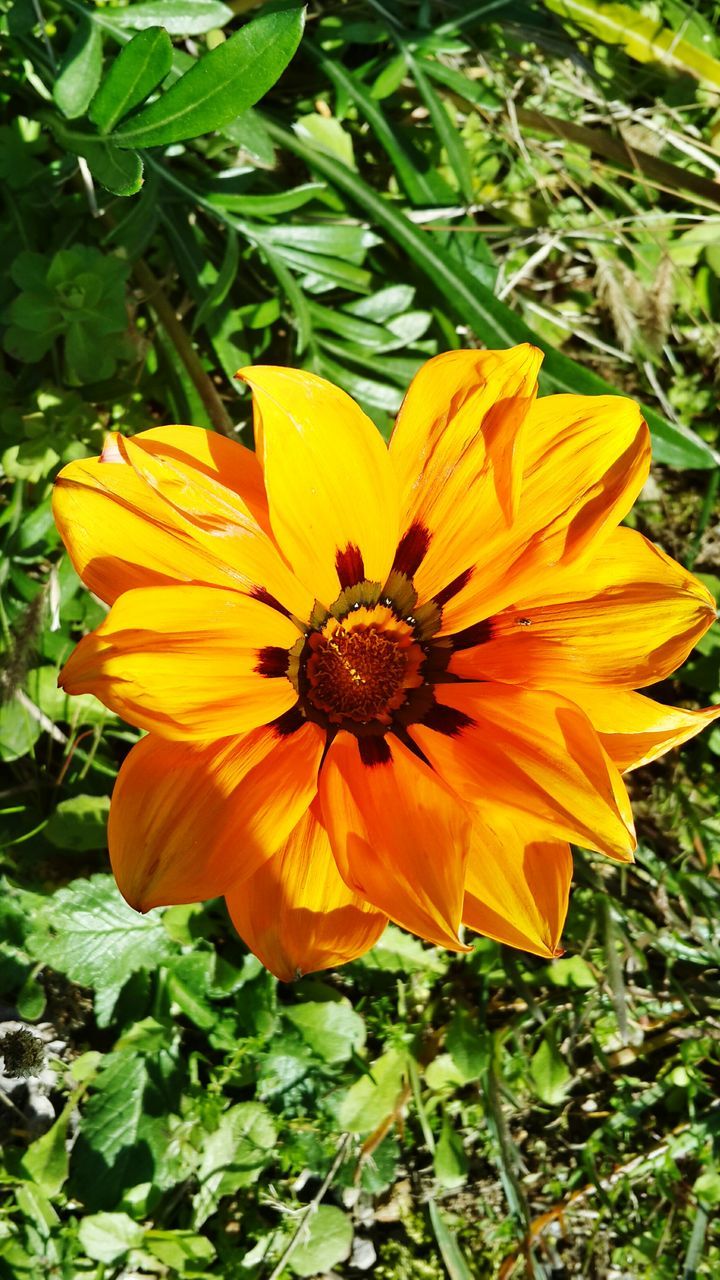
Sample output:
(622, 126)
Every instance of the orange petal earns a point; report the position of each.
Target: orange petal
(399, 836)
(629, 616)
(517, 887)
(297, 914)
(227, 461)
(586, 459)
(457, 450)
(187, 662)
(189, 822)
(530, 751)
(634, 729)
(156, 514)
(331, 488)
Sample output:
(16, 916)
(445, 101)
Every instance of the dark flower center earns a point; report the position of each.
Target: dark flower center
(361, 667)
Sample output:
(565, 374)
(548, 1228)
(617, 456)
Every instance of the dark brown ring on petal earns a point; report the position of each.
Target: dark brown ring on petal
(447, 720)
(272, 661)
(374, 750)
(349, 565)
(262, 594)
(441, 598)
(478, 633)
(289, 722)
(412, 549)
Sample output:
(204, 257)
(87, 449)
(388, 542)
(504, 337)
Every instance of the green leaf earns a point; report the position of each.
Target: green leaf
(110, 1126)
(46, 1161)
(332, 1029)
(80, 70)
(221, 85)
(445, 129)
(179, 1248)
(79, 823)
(106, 1237)
(90, 934)
(233, 1155)
(641, 36)
(474, 304)
(119, 171)
(178, 17)
(136, 71)
(224, 282)
(373, 1098)
(549, 1072)
(325, 1242)
(450, 1161)
(452, 1254)
(468, 1044)
(328, 133)
(399, 952)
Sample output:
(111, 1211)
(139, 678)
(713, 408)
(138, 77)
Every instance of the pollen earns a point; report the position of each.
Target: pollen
(361, 667)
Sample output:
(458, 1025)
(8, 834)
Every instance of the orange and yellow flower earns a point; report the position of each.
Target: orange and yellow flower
(379, 682)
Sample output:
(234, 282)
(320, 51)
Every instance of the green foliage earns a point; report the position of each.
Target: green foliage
(354, 201)
(78, 297)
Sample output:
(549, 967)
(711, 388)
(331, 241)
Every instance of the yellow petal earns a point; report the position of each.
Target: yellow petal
(189, 822)
(629, 616)
(535, 752)
(634, 729)
(187, 662)
(297, 914)
(586, 459)
(331, 489)
(457, 450)
(517, 886)
(399, 836)
(159, 514)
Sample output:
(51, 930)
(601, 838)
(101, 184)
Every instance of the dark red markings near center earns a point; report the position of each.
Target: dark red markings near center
(272, 661)
(478, 633)
(374, 750)
(441, 598)
(448, 720)
(350, 566)
(260, 593)
(412, 549)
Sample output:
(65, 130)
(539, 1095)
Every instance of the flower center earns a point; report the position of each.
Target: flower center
(360, 667)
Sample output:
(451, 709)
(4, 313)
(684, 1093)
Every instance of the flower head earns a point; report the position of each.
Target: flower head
(379, 682)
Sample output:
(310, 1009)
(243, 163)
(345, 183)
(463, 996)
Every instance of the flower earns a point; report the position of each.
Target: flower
(379, 682)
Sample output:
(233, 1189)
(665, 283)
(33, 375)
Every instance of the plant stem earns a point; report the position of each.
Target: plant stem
(180, 338)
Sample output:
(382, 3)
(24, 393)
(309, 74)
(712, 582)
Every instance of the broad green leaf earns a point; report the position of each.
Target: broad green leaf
(106, 1237)
(233, 1156)
(109, 1132)
(641, 36)
(46, 1160)
(90, 934)
(222, 84)
(332, 1029)
(325, 1242)
(79, 823)
(178, 17)
(468, 1044)
(135, 72)
(475, 304)
(450, 1162)
(328, 133)
(80, 70)
(374, 1097)
(549, 1072)
(248, 133)
(399, 952)
(120, 171)
(179, 1249)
